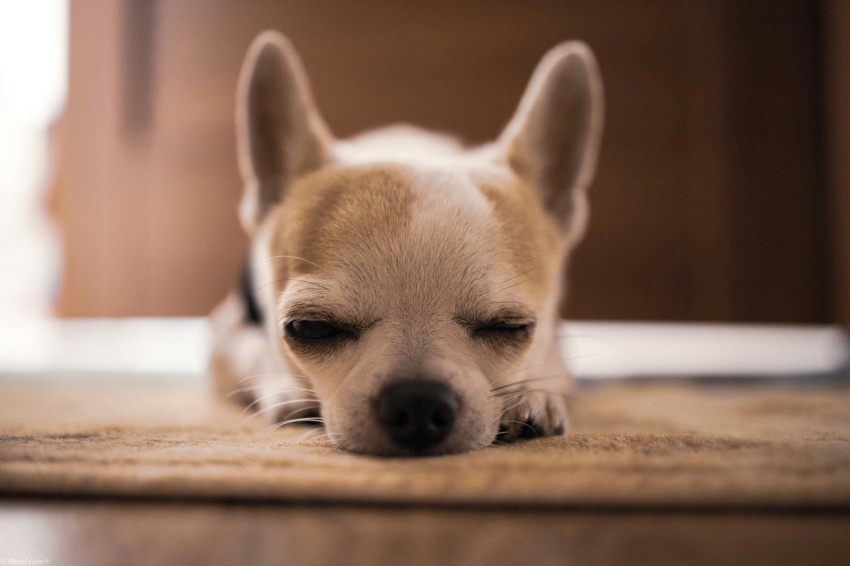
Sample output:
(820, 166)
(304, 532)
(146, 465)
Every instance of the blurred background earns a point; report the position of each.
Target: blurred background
(723, 191)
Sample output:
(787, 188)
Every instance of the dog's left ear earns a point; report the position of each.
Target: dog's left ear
(280, 133)
(553, 139)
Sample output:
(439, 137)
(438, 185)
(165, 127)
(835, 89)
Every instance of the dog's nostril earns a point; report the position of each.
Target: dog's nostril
(442, 417)
(401, 420)
(417, 414)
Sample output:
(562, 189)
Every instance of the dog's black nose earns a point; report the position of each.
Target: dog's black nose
(417, 414)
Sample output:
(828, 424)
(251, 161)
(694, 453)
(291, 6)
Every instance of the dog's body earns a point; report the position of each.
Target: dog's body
(401, 287)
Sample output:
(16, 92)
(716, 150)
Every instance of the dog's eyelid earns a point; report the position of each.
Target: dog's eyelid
(514, 312)
(509, 315)
(329, 320)
(319, 314)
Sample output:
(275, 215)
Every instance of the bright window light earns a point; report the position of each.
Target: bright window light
(33, 85)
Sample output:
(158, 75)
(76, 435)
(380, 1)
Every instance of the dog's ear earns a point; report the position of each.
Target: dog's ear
(280, 133)
(553, 139)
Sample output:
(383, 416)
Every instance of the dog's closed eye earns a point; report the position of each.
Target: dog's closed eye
(504, 325)
(504, 329)
(316, 330)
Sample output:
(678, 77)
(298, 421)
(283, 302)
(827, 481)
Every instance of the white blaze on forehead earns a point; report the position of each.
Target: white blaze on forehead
(450, 249)
(447, 200)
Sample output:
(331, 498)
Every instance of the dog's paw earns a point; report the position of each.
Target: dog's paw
(533, 414)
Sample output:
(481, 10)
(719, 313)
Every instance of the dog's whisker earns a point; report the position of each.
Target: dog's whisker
(300, 410)
(243, 389)
(508, 408)
(519, 390)
(588, 355)
(527, 369)
(515, 404)
(247, 377)
(266, 396)
(276, 389)
(262, 387)
(561, 362)
(329, 290)
(312, 404)
(317, 420)
(511, 392)
(527, 271)
(520, 282)
(280, 374)
(523, 381)
(526, 262)
(583, 336)
(314, 264)
(310, 407)
(520, 393)
(519, 423)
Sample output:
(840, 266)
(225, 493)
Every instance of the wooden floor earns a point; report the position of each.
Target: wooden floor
(95, 532)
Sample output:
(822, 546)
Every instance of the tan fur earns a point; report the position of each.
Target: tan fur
(415, 241)
(329, 208)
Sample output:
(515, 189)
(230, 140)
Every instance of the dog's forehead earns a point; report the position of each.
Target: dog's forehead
(327, 213)
(446, 232)
(341, 213)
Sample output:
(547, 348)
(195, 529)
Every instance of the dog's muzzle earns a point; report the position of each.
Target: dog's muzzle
(417, 414)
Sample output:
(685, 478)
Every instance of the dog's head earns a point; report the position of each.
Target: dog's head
(407, 279)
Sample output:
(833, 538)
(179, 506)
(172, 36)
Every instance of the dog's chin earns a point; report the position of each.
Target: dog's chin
(389, 450)
(379, 445)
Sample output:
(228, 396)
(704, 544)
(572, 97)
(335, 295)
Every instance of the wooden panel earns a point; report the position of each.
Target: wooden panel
(706, 180)
(777, 189)
(90, 207)
(837, 72)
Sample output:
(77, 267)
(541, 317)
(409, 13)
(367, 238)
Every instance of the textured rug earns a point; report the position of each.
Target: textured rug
(633, 445)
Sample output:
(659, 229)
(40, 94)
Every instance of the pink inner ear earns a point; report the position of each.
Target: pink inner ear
(267, 96)
(281, 135)
(554, 137)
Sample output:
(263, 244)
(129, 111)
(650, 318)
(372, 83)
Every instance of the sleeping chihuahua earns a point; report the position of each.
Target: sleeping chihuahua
(403, 290)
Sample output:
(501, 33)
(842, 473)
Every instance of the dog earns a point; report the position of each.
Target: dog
(403, 290)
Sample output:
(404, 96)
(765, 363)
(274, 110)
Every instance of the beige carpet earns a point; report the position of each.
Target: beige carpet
(633, 445)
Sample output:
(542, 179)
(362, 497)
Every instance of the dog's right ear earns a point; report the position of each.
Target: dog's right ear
(280, 134)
